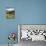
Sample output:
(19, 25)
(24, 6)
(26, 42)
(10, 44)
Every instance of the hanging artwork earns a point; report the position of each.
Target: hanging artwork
(11, 38)
(32, 32)
(10, 13)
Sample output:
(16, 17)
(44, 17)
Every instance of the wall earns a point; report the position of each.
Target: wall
(27, 12)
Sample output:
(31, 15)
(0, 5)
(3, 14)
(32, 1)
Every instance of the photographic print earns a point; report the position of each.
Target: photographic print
(31, 33)
(10, 13)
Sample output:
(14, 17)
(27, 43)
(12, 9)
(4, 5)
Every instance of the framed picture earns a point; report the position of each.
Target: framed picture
(10, 13)
(32, 32)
